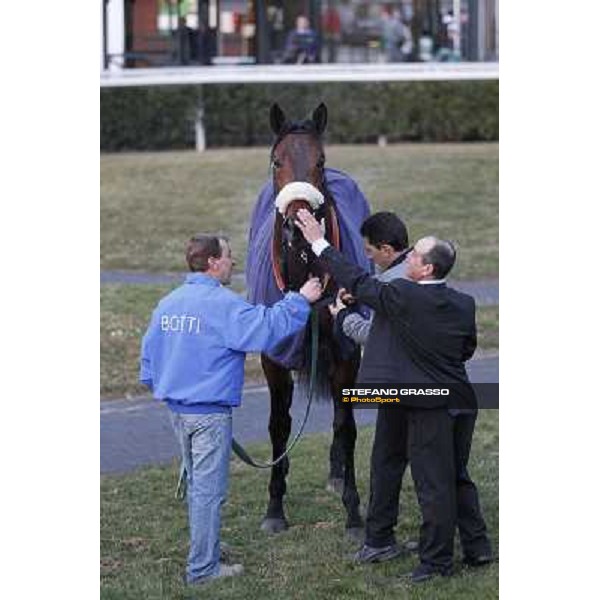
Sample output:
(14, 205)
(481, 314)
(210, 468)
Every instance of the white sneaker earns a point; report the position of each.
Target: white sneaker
(224, 571)
(229, 570)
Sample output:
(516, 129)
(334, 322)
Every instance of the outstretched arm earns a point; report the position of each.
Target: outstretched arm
(379, 296)
(258, 328)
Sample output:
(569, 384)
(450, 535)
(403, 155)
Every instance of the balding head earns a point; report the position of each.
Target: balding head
(431, 258)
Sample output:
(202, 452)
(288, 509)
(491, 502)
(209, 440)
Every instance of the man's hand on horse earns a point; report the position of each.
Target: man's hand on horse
(309, 226)
(312, 289)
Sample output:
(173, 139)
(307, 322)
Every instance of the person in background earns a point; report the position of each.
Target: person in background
(448, 47)
(425, 47)
(392, 34)
(192, 358)
(276, 30)
(332, 29)
(185, 39)
(302, 44)
(407, 45)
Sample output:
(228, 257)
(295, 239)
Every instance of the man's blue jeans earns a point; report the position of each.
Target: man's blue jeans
(205, 441)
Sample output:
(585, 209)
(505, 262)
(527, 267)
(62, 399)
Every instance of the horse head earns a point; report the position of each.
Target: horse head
(297, 153)
(298, 170)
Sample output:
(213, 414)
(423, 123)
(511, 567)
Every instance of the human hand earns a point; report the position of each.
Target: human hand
(347, 298)
(340, 302)
(309, 226)
(312, 289)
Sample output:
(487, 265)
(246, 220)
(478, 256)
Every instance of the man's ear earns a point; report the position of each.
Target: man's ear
(212, 262)
(428, 270)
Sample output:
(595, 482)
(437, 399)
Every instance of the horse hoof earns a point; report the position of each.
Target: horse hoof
(271, 525)
(335, 485)
(356, 534)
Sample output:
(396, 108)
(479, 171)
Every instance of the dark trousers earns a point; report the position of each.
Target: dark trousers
(389, 458)
(440, 445)
(433, 471)
(471, 526)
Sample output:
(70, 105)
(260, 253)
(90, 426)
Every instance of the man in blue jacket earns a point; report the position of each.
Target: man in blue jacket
(192, 358)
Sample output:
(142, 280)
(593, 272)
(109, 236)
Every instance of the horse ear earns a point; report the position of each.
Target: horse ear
(277, 118)
(319, 116)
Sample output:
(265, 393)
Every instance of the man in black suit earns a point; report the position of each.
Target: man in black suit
(422, 333)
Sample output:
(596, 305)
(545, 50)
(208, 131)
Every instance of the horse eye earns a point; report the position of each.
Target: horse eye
(321, 162)
(276, 164)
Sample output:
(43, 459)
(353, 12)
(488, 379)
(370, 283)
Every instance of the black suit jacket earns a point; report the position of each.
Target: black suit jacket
(420, 333)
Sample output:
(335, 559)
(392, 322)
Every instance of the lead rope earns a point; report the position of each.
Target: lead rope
(180, 493)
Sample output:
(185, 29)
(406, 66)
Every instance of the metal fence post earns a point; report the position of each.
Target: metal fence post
(199, 123)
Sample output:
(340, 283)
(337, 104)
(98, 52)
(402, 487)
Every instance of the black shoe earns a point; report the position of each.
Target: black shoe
(478, 561)
(368, 554)
(424, 572)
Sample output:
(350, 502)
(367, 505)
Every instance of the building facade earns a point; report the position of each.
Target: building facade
(158, 33)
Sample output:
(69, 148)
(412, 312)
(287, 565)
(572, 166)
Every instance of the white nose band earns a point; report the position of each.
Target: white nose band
(297, 190)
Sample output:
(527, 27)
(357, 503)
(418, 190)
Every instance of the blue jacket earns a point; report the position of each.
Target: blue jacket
(194, 350)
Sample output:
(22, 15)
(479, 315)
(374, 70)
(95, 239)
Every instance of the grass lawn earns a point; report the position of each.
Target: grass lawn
(124, 314)
(151, 203)
(488, 328)
(144, 533)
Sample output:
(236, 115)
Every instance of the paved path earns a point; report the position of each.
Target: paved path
(138, 432)
(485, 292)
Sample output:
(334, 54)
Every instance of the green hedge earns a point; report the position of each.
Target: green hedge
(157, 118)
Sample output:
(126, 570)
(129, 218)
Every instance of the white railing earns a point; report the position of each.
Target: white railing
(300, 73)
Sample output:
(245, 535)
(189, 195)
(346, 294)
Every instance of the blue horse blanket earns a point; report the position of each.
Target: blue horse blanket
(352, 209)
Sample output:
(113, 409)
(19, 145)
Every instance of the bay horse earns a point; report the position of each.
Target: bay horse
(280, 260)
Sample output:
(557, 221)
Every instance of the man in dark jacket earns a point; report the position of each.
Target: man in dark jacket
(386, 244)
(422, 333)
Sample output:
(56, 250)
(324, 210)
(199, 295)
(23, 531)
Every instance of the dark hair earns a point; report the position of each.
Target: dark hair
(202, 247)
(385, 228)
(441, 256)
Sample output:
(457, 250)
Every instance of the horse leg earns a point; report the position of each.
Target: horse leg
(337, 451)
(335, 481)
(281, 388)
(345, 429)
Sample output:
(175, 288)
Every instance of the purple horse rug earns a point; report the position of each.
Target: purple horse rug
(352, 209)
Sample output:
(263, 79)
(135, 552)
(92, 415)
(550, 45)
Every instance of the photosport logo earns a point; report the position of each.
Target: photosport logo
(387, 395)
(452, 395)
